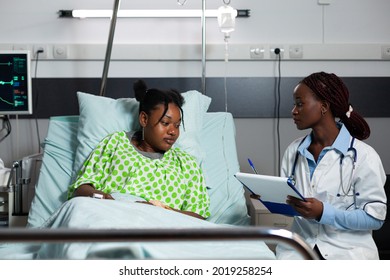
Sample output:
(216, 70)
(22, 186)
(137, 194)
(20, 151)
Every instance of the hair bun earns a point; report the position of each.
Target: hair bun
(140, 89)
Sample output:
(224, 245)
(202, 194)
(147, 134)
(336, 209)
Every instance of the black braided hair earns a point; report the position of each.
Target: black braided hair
(329, 87)
(149, 99)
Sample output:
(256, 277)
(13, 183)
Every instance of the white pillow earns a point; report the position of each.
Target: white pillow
(194, 108)
(100, 116)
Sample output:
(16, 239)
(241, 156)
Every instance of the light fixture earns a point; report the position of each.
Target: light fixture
(144, 13)
(116, 12)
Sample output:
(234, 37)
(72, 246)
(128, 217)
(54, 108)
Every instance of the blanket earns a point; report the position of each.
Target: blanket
(90, 213)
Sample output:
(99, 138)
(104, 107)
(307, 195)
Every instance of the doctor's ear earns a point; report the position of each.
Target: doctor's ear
(325, 106)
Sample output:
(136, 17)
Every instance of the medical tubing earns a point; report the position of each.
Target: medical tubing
(226, 71)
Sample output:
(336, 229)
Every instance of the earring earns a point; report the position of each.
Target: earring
(143, 134)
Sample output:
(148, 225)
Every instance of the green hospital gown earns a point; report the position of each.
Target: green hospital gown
(116, 166)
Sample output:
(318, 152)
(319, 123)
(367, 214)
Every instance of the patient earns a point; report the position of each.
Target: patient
(143, 163)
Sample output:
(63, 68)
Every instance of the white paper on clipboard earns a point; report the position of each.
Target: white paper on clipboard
(270, 188)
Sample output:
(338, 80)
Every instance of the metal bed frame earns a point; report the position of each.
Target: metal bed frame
(19, 235)
(21, 188)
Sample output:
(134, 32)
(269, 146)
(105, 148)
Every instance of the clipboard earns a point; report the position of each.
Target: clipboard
(273, 191)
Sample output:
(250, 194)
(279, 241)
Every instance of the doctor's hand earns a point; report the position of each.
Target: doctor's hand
(310, 209)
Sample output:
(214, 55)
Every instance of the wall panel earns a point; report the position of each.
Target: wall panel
(247, 97)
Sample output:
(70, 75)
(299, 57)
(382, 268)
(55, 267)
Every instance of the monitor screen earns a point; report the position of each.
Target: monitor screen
(15, 83)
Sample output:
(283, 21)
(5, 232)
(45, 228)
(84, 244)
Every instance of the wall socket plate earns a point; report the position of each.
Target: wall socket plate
(18, 47)
(296, 51)
(60, 51)
(272, 51)
(256, 52)
(42, 47)
(386, 52)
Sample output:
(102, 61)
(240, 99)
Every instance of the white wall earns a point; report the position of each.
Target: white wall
(344, 37)
(272, 21)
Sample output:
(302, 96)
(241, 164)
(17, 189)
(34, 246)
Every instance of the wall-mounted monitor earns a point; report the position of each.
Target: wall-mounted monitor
(15, 83)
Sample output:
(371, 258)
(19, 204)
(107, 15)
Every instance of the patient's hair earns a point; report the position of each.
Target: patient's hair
(149, 99)
(330, 88)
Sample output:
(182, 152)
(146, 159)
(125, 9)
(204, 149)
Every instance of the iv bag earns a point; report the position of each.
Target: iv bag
(227, 18)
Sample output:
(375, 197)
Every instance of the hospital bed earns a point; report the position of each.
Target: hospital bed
(85, 228)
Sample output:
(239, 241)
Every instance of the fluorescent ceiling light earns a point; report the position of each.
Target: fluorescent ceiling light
(144, 13)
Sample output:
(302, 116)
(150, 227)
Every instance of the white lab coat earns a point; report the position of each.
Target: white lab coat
(369, 178)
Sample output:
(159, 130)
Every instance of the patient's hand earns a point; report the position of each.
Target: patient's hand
(89, 190)
(144, 202)
(156, 203)
(162, 205)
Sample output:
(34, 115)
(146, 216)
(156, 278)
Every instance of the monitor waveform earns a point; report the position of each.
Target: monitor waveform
(6, 101)
(6, 63)
(11, 83)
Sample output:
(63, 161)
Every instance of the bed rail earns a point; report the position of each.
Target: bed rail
(271, 235)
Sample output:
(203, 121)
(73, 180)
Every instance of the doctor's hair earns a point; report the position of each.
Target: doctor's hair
(149, 99)
(329, 87)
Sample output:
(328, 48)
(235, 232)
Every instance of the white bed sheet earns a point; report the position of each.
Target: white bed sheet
(122, 214)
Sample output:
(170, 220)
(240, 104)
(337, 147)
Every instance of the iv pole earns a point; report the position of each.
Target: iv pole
(203, 47)
(109, 48)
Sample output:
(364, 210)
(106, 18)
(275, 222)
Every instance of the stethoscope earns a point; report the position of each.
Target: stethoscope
(343, 191)
(353, 157)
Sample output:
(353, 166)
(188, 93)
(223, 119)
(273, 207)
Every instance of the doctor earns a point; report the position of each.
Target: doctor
(341, 176)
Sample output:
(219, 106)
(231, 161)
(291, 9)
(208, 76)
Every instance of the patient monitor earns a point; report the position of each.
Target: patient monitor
(15, 83)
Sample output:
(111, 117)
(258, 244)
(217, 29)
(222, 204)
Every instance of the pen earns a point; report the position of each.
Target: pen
(253, 195)
(252, 166)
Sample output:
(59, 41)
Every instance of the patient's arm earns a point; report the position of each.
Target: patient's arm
(189, 213)
(89, 190)
(160, 204)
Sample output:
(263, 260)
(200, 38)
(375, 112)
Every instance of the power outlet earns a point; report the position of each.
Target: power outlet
(60, 51)
(42, 49)
(273, 54)
(20, 47)
(296, 51)
(256, 52)
(386, 52)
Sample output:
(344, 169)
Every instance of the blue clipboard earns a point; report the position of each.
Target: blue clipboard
(273, 191)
